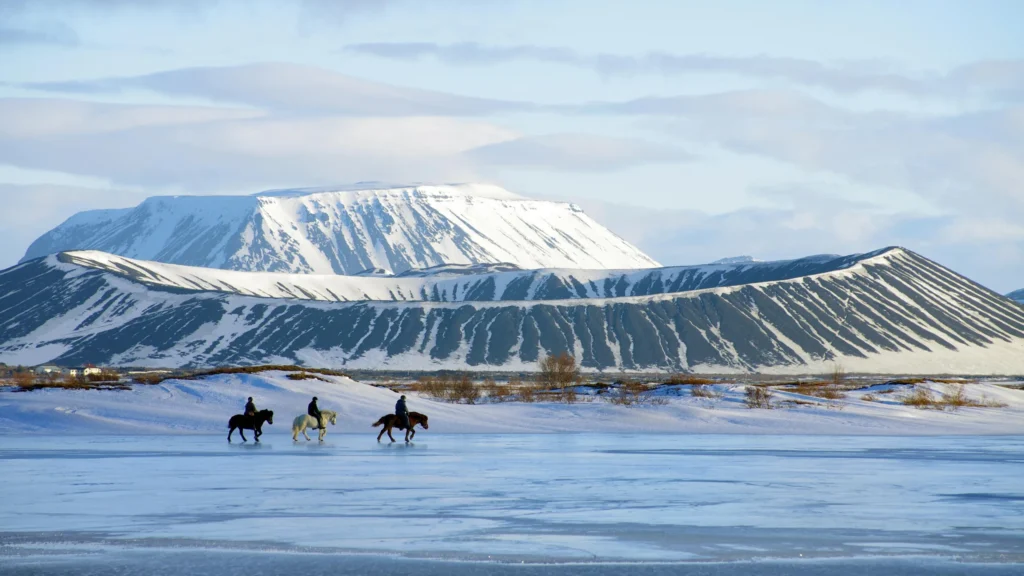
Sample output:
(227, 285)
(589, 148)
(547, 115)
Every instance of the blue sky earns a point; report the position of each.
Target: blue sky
(697, 130)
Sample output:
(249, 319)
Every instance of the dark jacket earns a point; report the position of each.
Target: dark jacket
(313, 410)
(250, 408)
(400, 407)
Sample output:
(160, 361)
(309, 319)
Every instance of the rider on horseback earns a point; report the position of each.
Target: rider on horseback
(313, 411)
(402, 412)
(250, 408)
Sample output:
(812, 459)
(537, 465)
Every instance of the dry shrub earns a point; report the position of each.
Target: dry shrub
(838, 375)
(703, 391)
(687, 379)
(148, 379)
(869, 398)
(559, 376)
(958, 399)
(826, 390)
(758, 396)
(463, 390)
(634, 393)
(305, 376)
(448, 388)
(496, 392)
(919, 398)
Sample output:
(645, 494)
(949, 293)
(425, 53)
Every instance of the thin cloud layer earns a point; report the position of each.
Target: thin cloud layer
(209, 149)
(578, 152)
(997, 79)
(291, 88)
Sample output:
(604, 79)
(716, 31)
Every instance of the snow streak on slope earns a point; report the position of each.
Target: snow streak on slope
(452, 283)
(332, 231)
(893, 311)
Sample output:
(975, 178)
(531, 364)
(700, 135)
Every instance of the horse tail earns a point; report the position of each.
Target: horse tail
(378, 422)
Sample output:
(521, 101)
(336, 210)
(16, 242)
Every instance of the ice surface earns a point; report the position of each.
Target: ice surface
(717, 504)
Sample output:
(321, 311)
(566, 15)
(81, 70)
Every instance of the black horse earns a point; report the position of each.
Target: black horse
(254, 423)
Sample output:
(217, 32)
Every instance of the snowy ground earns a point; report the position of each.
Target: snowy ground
(143, 482)
(203, 406)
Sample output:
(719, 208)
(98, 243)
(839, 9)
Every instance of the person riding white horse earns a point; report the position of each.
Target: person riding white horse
(313, 411)
(301, 423)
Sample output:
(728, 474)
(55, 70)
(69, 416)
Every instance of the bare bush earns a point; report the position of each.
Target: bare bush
(703, 391)
(634, 393)
(758, 396)
(919, 398)
(559, 376)
(869, 398)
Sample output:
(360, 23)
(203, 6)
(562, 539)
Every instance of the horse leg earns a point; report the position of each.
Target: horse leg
(256, 434)
(306, 435)
(381, 434)
(389, 434)
(229, 433)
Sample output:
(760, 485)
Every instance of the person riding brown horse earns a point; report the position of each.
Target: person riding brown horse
(390, 421)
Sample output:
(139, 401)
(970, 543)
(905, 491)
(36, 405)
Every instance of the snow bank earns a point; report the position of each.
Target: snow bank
(204, 406)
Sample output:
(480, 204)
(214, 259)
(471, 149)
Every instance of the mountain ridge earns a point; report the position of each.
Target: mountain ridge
(891, 312)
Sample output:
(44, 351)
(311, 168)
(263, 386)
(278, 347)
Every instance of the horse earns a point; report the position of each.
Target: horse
(390, 421)
(254, 423)
(306, 421)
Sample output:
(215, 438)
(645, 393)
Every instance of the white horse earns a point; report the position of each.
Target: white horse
(306, 421)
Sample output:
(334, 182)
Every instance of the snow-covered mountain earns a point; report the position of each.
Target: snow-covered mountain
(1017, 295)
(890, 311)
(348, 230)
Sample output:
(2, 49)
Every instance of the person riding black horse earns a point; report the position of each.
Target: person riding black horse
(402, 411)
(313, 411)
(250, 408)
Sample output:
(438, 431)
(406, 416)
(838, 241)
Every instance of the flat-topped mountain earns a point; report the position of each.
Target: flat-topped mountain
(349, 230)
(889, 311)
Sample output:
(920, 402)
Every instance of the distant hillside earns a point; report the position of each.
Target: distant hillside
(890, 311)
(1017, 295)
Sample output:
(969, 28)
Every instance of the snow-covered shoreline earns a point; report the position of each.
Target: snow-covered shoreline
(204, 406)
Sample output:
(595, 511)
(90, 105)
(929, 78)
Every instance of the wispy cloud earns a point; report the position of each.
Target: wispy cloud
(203, 148)
(50, 35)
(293, 88)
(1002, 79)
(577, 152)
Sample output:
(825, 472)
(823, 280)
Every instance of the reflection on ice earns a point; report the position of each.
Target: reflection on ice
(564, 498)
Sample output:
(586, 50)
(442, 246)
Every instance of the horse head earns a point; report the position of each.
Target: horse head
(423, 422)
(269, 414)
(334, 418)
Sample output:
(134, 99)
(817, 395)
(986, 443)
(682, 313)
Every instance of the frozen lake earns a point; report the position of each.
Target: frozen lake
(562, 504)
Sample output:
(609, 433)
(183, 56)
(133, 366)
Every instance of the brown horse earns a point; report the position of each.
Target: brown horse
(390, 421)
(254, 423)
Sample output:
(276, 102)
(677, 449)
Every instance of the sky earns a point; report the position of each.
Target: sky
(695, 130)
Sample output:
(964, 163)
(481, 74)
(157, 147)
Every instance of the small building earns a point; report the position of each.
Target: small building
(91, 370)
(48, 369)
